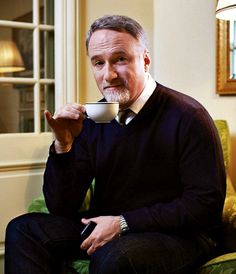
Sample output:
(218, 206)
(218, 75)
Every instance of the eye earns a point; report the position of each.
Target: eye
(98, 64)
(121, 59)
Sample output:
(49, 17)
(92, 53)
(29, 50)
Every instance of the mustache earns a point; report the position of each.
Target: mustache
(114, 84)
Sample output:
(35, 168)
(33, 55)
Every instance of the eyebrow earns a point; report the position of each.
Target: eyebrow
(120, 52)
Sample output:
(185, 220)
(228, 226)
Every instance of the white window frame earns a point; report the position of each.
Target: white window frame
(36, 27)
(66, 52)
(27, 150)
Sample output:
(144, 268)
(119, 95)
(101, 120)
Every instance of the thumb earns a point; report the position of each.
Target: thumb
(85, 221)
(49, 118)
(48, 115)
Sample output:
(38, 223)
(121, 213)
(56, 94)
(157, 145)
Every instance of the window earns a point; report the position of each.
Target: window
(26, 65)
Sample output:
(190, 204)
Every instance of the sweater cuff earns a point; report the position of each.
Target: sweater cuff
(60, 156)
(139, 220)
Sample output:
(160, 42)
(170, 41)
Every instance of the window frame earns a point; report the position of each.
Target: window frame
(21, 151)
(36, 27)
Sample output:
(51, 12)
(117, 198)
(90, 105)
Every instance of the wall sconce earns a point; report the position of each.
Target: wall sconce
(226, 10)
(10, 58)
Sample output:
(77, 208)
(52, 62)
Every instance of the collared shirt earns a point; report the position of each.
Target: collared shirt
(142, 99)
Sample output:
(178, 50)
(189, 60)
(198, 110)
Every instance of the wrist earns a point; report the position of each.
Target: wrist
(61, 148)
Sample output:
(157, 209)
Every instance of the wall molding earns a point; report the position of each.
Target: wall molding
(11, 167)
(2, 249)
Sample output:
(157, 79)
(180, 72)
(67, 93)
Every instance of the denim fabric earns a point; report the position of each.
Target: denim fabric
(40, 243)
(151, 253)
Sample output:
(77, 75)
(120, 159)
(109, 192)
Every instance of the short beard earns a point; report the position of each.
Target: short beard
(122, 97)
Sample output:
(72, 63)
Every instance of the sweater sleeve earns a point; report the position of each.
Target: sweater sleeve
(67, 178)
(202, 175)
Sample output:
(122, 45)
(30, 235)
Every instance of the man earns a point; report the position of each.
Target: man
(159, 178)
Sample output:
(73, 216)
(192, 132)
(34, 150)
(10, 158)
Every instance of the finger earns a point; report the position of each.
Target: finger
(91, 250)
(70, 111)
(78, 107)
(86, 244)
(93, 247)
(82, 246)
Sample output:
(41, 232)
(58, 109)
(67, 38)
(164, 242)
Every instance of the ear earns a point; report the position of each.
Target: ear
(147, 61)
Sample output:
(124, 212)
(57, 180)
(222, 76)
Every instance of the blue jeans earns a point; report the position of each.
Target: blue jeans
(38, 243)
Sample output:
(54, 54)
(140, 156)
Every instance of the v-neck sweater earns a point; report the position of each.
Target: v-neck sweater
(164, 171)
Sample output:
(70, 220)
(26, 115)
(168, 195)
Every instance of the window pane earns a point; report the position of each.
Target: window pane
(16, 10)
(47, 54)
(47, 12)
(16, 108)
(16, 52)
(47, 103)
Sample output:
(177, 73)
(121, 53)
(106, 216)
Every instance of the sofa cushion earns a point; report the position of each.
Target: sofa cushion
(225, 264)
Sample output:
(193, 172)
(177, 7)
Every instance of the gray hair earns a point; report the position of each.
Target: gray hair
(118, 23)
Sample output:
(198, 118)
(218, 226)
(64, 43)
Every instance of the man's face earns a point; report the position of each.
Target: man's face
(119, 64)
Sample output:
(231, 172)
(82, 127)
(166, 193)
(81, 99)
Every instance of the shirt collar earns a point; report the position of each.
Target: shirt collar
(144, 96)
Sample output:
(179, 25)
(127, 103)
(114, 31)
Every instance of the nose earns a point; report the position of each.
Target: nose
(110, 73)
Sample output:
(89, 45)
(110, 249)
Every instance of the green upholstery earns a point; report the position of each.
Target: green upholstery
(225, 264)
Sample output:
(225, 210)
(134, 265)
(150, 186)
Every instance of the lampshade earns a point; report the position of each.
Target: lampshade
(226, 9)
(10, 57)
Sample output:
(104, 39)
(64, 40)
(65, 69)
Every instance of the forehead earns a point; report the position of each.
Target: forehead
(109, 41)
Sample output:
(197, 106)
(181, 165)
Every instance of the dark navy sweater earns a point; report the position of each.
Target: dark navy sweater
(164, 171)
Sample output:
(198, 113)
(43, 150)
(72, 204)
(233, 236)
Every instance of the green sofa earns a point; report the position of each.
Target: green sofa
(225, 264)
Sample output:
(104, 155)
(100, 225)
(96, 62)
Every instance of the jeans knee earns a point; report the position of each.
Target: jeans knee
(15, 227)
(19, 228)
(108, 260)
(109, 265)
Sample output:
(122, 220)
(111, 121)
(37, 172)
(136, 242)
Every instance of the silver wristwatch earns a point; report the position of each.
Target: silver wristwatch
(124, 228)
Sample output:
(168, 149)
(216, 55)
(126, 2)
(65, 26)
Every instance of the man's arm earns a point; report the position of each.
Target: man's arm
(66, 179)
(202, 175)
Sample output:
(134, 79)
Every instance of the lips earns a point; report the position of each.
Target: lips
(113, 87)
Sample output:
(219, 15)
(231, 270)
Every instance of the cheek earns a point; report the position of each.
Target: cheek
(97, 76)
(125, 74)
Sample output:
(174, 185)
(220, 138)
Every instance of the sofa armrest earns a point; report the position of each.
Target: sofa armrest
(229, 224)
(229, 212)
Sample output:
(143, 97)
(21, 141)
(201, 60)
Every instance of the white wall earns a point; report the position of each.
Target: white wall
(185, 57)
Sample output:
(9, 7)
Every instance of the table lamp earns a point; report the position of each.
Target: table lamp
(10, 58)
(226, 10)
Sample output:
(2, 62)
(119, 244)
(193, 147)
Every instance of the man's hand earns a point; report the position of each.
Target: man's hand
(107, 229)
(66, 124)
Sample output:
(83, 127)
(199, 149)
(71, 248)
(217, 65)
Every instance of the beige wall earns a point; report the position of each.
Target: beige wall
(185, 57)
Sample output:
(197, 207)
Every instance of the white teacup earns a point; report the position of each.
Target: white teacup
(102, 112)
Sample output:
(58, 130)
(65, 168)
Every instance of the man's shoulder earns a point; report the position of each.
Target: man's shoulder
(177, 99)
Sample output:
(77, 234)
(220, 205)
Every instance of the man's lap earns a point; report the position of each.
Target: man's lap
(150, 252)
